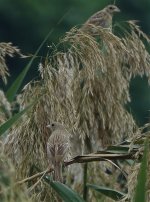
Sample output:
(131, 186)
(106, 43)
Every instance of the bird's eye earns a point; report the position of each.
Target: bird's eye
(53, 124)
(111, 8)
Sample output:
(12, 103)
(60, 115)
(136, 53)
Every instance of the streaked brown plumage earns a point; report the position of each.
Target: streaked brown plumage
(102, 18)
(57, 148)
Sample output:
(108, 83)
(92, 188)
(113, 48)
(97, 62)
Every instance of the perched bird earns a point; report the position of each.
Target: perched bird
(102, 18)
(57, 148)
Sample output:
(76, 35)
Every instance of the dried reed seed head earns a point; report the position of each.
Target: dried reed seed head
(91, 75)
(93, 67)
(5, 108)
(10, 50)
(91, 101)
(3, 69)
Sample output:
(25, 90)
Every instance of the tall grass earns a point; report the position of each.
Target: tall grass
(84, 85)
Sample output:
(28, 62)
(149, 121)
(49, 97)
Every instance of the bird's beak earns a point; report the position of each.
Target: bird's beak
(117, 10)
(48, 126)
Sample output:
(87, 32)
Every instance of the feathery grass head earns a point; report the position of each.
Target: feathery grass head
(5, 108)
(85, 87)
(10, 50)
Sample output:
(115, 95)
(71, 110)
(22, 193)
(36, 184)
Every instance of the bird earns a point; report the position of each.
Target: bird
(57, 148)
(101, 18)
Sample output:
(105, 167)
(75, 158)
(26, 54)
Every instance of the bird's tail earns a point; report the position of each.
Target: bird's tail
(58, 172)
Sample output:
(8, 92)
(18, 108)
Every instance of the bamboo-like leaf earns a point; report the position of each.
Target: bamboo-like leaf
(11, 92)
(140, 193)
(67, 194)
(7, 125)
(113, 194)
(121, 148)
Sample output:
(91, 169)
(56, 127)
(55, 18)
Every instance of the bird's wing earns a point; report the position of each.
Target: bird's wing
(62, 148)
(101, 18)
(50, 150)
(58, 143)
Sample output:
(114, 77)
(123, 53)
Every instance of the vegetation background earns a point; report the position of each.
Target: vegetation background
(26, 23)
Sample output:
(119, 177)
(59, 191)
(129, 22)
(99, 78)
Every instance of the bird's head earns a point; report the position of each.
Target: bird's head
(55, 126)
(112, 9)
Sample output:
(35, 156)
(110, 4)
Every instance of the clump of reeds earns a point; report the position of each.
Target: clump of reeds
(86, 87)
(6, 49)
(141, 135)
(9, 190)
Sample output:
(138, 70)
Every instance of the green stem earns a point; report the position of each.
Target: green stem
(85, 191)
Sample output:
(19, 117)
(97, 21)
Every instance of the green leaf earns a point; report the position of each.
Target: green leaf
(10, 94)
(85, 190)
(67, 194)
(7, 125)
(113, 194)
(118, 149)
(121, 148)
(140, 193)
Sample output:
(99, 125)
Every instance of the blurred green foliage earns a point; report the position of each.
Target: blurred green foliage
(26, 23)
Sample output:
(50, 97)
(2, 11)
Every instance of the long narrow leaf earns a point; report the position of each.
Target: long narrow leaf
(11, 92)
(67, 194)
(113, 194)
(140, 193)
(5, 126)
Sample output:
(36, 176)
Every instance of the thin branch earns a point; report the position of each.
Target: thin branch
(31, 188)
(83, 159)
(114, 164)
(98, 157)
(35, 176)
